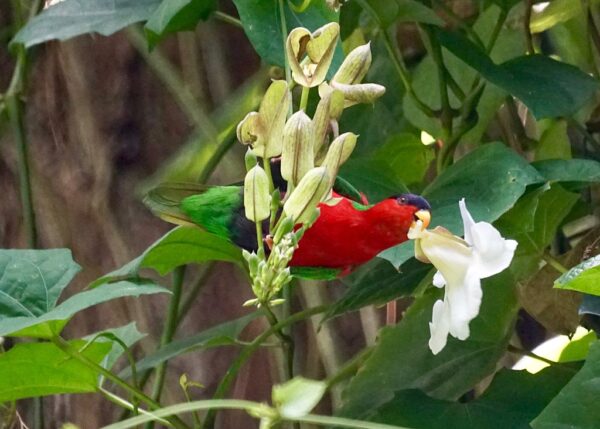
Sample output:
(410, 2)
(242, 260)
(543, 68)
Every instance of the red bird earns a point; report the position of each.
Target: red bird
(345, 235)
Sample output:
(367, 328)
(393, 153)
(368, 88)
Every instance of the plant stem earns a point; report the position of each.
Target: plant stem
(554, 263)
(168, 332)
(63, 344)
(304, 98)
(193, 293)
(121, 402)
(527, 27)
(350, 368)
(245, 354)
(259, 237)
(458, 21)
(532, 355)
(228, 19)
(287, 342)
(254, 408)
(284, 34)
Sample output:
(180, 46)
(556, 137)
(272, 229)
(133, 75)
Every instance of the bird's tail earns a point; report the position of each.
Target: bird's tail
(165, 201)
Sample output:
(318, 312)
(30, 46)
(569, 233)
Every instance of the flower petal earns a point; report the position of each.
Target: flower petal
(463, 301)
(439, 280)
(467, 219)
(439, 327)
(493, 253)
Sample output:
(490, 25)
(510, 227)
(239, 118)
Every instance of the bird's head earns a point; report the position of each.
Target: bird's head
(421, 206)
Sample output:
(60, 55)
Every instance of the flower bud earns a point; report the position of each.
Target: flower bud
(330, 107)
(339, 151)
(250, 159)
(297, 155)
(249, 129)
(318, 47)
(361, 93)
(313, 187)
(286, 226)
(256, 195)
(355, 66)
(273, 112)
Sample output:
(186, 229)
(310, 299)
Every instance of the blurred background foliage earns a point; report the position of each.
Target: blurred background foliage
(109, 115)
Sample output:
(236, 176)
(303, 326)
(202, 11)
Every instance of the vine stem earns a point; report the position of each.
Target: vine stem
(254, 408)
(247, 352)
(63, 345)
(304, 98)
(168, 332)
(287, 342)
(228, 19)
(284, 34)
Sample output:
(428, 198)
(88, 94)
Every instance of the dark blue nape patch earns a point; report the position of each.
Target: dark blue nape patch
(413, 200)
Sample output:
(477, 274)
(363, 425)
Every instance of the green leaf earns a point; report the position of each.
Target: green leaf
(402, 359)
(512, 400)
(32, 280)
(491, 179)
(578, 349)
(585, 277)
(377, 282)
(549, 88)
(128, 334)
(391, 11)
(297, 397)
(576, 406)
(71, 18)
(376, 179)
(180, 246)
(51, 323)
(553, 206)
(554, 13)
(315, 273)
(506, 4)
(263, 27)
(224, 334)
(569, 170)
(176, 15)
(38, 369)
(554, 142)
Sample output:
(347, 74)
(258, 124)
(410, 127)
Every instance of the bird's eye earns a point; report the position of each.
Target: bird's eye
(402, 200)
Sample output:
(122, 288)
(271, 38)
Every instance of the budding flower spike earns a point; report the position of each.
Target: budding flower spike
(461, 264)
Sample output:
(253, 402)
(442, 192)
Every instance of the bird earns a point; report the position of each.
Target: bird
(346, 234)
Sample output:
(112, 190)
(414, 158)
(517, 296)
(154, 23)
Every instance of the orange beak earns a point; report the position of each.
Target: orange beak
(424, 216)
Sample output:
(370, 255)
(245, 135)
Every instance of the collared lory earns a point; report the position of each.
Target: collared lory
(347, 233)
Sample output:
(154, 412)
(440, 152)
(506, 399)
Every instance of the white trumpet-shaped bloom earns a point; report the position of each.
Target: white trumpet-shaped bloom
(461, 264)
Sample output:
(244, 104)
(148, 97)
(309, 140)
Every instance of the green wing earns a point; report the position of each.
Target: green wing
(210, 207)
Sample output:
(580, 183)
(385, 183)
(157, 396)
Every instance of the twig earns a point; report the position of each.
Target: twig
(221, 16)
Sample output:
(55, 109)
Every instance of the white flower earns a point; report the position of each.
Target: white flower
(461, 265)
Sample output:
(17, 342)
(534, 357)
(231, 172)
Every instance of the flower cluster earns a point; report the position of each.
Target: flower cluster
(461, 264)
(311, 149)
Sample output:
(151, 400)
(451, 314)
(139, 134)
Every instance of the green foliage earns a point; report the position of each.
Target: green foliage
(71, 18)
(548, 87)
(180, 246)
(224, 334)
(38, 369)
(402, 359)
(179, 15)
(389, 12)
(575, 405)
(584, 277)
(500, 406)
(262, 24)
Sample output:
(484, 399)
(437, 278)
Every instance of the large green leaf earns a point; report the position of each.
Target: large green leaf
(71, 18)
(37, 369)
(262, 25)
(585, 277)
(32, 280)
(377, 282)
(554, 13)
(569, 170)
(177, 15)
(51, 323)
(224, 334)
(576, 406)
(512, 400)
(490, 179)
(552, 208)
(391, 11)
(180, 246)
(548, 87)
(402, 359)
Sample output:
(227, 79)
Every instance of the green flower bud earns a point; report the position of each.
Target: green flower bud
(313, 187)
(263, 129)
(257, 201)
(318, 48)
(360, 93)
(355, 66)
(329, 108)
(297, 156)
(339, 151)
(250, 159)
(286, 226)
